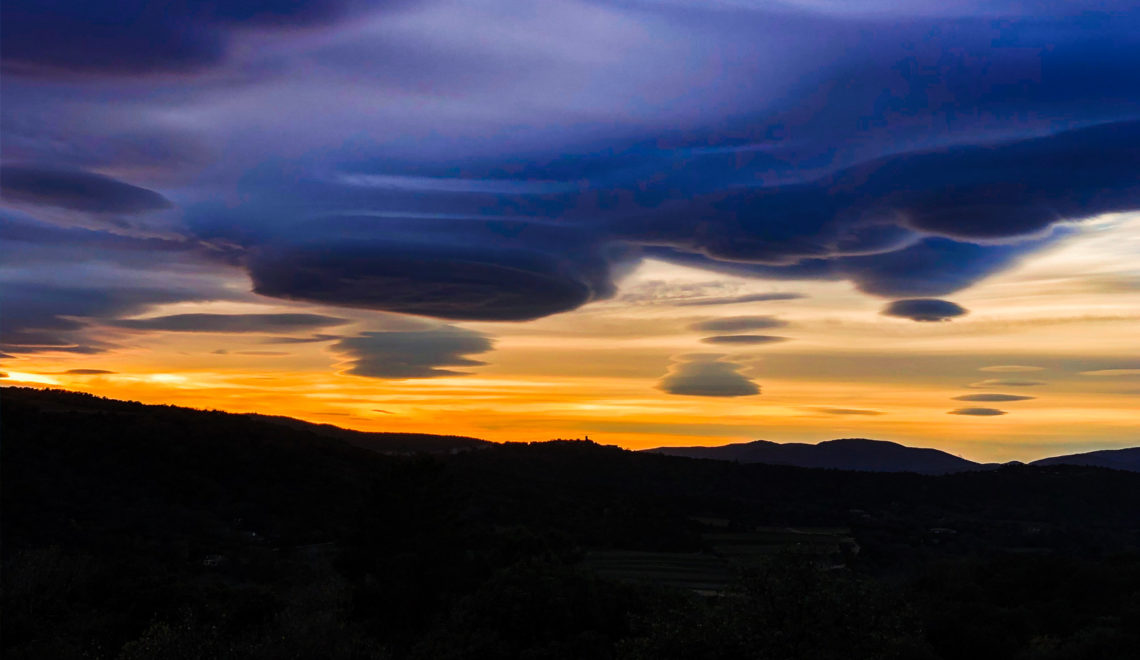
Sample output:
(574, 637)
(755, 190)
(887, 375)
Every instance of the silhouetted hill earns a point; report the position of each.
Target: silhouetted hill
(386, 443)
(133, 531)
(1116, 459)
(847, 454)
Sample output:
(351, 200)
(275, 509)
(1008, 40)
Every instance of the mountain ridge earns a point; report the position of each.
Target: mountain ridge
(857, 454)
(860, 454)
(60, 400)
(863, 454)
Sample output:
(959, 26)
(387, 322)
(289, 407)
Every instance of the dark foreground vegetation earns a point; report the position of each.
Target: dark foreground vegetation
(136, 531)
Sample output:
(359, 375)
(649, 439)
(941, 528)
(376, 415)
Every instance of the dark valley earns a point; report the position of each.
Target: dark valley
(133, 531)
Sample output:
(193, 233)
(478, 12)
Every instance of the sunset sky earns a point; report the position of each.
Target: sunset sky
(650, 222)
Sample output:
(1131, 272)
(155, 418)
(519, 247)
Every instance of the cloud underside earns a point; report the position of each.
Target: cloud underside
(977, 412)
(826, 150)
(871, 225)
(708, 376)
(924, 309)
(77, 190)
(412, 354)
(459, 283)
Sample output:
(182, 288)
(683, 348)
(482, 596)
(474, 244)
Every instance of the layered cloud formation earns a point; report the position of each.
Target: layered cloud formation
(394, 157)
(977, 412)
(707, 374)
(924, 309)
(412, 354)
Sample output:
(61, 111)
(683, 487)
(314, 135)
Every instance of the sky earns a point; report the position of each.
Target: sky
(649, 222)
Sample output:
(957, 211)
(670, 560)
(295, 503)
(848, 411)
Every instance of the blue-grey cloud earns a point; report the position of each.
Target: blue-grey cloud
(924, 309)
(77, 190)
(59, 281)
(49, 317)
(73, 37)
(977, 412)
(1011, 368)
(910, 151)
(227, 323)
(744, 340)
(738, 324)
(993, 398)
(708, 375)
(412, 354)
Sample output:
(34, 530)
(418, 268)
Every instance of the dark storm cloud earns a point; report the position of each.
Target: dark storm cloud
(924, 309)
(963, 193)
(413, 354)
(263, 323)
(853, 225)
(744, 340)
(968, 193)
(911, 150)
(87, 372)
(738, 324)
(993, 398)
(977, 412)
(76, 190)
(508, 270)
(130, 37)
(707, 375)
(448, 283)
(930, 267)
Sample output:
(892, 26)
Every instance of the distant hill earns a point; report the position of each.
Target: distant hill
(1116, 459)
(847, 454)
(386, 443)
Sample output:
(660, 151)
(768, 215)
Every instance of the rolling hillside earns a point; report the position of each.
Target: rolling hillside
(847, 454)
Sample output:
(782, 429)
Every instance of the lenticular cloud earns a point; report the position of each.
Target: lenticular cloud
(388, 156)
